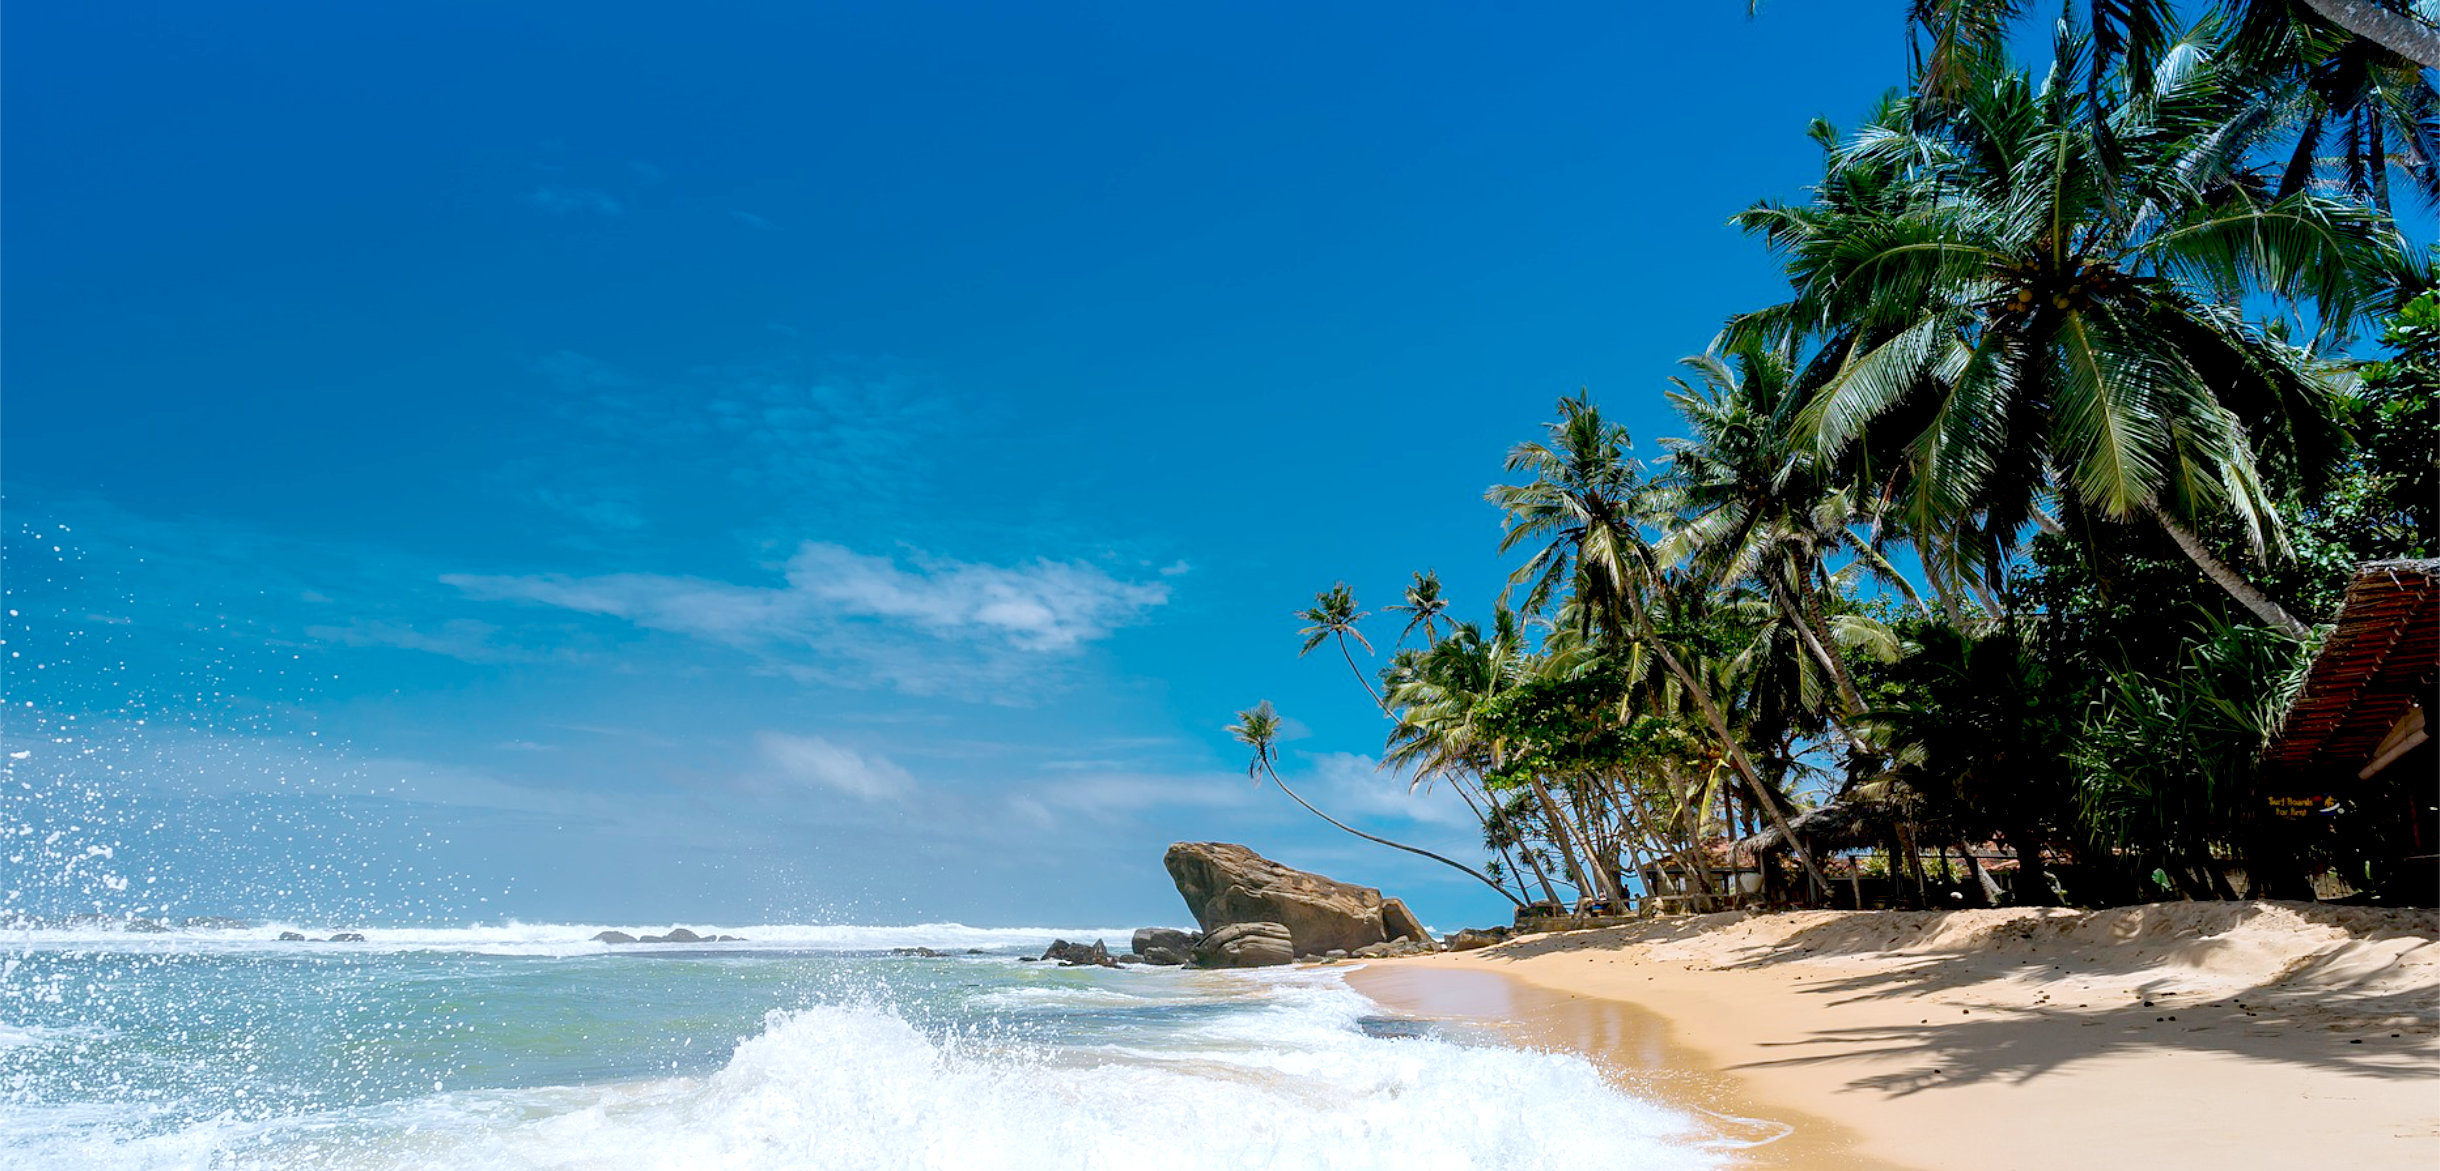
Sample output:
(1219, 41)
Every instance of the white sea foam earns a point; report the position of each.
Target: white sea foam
(1287, 1082)
(548, 939)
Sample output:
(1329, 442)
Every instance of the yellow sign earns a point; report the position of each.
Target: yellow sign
(2302, 806)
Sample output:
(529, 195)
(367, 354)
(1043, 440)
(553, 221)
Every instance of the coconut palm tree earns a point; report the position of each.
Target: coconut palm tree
(1333, 616)
(1258, 729)
(2026, 320)
(1960, 35)
(1424, 607)
(1742, 503)
(1581, 501)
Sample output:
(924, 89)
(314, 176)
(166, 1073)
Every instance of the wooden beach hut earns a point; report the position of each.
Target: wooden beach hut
(2354, 749)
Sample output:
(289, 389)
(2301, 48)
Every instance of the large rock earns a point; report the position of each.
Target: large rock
(1246, 945)
(1399, 923)
(1226, 884)
(613, 937)
(1169, 938)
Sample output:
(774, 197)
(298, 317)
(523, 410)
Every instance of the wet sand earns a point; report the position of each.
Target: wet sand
(2226, 1036)
(1634, 1045)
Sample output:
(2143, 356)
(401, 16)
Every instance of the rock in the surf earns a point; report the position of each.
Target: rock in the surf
(1147, 938)
(292, 937)
(1246, 945)
(1224, 883)
(1075, 955)
(614, 937)
(348, 937)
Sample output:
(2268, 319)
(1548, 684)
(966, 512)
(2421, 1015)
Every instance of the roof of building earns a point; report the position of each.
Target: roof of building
(2377, 664)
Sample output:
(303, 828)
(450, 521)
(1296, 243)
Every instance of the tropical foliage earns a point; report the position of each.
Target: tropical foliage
(1983, 562)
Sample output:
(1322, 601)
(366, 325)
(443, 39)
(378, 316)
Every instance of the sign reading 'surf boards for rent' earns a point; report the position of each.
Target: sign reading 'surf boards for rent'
(2303, 805)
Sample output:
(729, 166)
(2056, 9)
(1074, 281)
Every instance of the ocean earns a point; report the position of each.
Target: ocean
(529, 1046)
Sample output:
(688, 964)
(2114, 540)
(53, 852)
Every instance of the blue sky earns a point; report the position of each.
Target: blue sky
(793, 462)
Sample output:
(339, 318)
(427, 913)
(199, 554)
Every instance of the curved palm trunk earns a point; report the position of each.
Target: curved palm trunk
(1736, 753)
(1563, 833)
(2229, 579)
(1361, 681)
(1458, 783)
(1849, 699)
(1477, 875)
(2395, 31)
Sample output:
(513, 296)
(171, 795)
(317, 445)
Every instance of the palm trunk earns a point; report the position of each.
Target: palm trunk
(2229, 579)
(1736, 752)
(1361, 681)
(2395, 31)
(1562, 833)
(1458, 783)
(1477, 875)
(1852, 703)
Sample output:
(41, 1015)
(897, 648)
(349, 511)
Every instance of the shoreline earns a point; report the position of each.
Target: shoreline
(2239, 1035)
(1638, 1050)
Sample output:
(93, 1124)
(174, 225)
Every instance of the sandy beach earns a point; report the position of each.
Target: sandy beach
(2230, 1036)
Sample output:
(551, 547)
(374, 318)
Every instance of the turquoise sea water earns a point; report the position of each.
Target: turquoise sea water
(529, 1046)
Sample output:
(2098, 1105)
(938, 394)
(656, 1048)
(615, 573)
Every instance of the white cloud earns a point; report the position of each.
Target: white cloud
(459, 638)
(814, 761)
(1039, 607)
(1355, 787)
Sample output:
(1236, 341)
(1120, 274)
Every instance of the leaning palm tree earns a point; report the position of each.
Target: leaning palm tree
(2033, 301)
(1582, 502)
(1424, 607)
(1258, 728)
(1742, 503)
(1333, 616)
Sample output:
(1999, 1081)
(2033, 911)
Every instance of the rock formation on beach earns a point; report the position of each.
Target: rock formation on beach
(1228, 885)
(1245, 945)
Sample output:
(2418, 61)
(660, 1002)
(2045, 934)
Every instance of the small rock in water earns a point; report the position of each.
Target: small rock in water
(728, 939)
(1076, 955)
(1130, 958)
(922, 952)
(348, 937)
(145, 927)
(292, 937)
(614, 937)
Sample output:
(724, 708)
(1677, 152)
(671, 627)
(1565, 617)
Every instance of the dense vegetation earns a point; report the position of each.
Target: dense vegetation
(2006, 535)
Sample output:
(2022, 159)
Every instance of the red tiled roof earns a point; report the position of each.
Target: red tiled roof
(2379, 662)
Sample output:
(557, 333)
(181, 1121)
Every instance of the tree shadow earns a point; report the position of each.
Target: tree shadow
(2330, 1009)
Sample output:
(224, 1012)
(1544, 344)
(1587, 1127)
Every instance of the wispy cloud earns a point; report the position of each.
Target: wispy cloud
(753, 221)
(812, 760)
(575, 201)
(1039, 607)
(459, 638)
